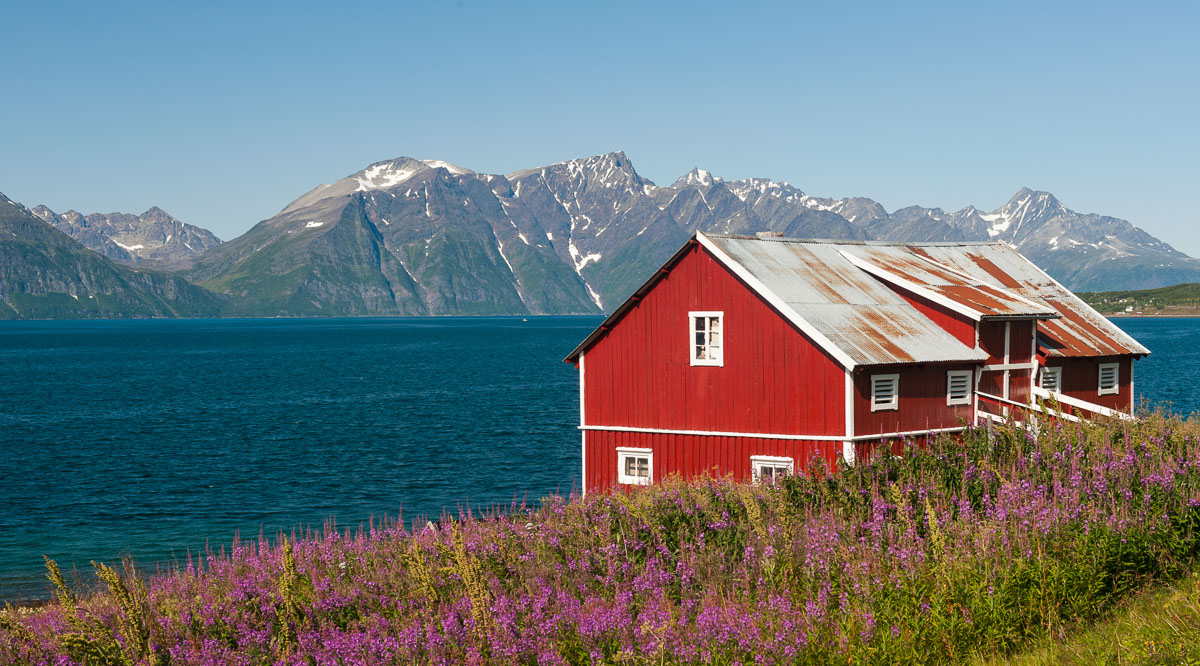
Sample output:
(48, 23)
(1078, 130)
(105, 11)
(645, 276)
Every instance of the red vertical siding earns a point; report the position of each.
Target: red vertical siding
(1022, 348)
(959, 325)
(774, 379)
(684, 455)
(992, 383)
(1019, 385)
(991, 340)
(922, 400)
(1081, 379)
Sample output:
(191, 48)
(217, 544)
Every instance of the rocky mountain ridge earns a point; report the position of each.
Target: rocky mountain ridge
(153, 238)
(408, 236)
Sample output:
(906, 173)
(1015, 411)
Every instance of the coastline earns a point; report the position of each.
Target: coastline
(1190, 315)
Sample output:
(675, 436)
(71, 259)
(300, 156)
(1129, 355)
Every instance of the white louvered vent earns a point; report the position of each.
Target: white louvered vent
(958, 387)
(1109, 378)
(885, 392)
(1052, 379)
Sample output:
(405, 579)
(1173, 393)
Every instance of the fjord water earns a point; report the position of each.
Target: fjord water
(148, 438)
(151, 438)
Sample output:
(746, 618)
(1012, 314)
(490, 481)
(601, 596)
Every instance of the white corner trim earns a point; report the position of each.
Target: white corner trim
(848, 453)
(1132, 393)
(776, 302)
(582, 433)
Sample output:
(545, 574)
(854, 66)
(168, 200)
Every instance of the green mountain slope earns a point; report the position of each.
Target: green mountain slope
(45, 274)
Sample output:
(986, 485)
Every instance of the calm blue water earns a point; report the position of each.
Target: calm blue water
(149, 438)
(1167, 377)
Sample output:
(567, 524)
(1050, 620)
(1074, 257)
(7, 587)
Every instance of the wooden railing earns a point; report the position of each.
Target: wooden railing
(1056, 406)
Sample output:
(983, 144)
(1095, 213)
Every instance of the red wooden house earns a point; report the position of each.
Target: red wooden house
(753, 356)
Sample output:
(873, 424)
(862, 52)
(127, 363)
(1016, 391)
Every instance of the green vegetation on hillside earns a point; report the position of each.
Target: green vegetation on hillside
(1179, 299)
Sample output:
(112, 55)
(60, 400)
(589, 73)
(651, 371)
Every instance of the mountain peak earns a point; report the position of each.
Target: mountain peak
(696, 177)
(389, 173)
(1036, 198)
(1028, 203)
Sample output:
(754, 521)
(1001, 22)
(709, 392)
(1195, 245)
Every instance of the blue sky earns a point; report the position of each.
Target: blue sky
(223, 113)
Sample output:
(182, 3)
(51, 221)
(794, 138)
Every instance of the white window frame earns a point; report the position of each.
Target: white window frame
(626, 452)
(719, 360)
(1055, 372)
(894, 403)
(773, 462)
(964, 375)
(1116, 374)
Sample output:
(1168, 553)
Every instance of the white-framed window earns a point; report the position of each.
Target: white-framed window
(635, 467)
(958, 387)
(1051, 379)
(771, 468)
(885, 392)
(1110, 378)
(706, 337)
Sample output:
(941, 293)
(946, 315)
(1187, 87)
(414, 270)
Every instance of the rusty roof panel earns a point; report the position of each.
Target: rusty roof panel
(1081, 331)
(862, 317)
(905, 264)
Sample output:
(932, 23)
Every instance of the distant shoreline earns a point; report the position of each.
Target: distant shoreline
(1122, 315)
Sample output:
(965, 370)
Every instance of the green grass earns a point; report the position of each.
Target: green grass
(1161, 625)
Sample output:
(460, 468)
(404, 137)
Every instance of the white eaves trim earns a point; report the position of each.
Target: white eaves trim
(776, 302)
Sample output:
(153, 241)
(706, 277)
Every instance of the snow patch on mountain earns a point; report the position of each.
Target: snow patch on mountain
(581, 260)
(452, 168)
(383, 176)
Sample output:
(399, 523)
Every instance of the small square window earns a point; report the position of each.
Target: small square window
(958, 387)
(706, 338)
(635, 467)
(771, 468)
(1051, 379)
(885, 392)
(1109, 378)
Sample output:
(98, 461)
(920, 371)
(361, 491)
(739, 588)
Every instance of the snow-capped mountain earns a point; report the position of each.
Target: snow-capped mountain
(409, 236)
(153, 238)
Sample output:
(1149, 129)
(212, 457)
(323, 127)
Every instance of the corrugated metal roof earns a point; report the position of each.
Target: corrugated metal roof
(1081, 331)
(818, 286)
(865, 321)
(910, 267)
